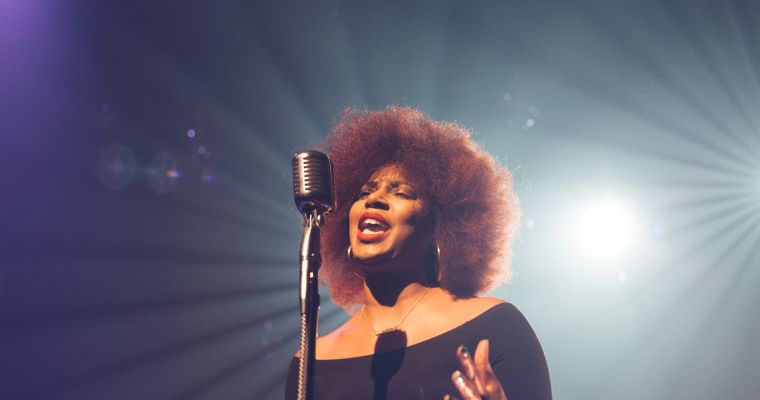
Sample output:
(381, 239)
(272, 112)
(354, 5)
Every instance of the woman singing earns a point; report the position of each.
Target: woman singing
(422, 227)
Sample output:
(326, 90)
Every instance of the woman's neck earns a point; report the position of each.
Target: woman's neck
(390, 292)
(390, 298)
(391, 283)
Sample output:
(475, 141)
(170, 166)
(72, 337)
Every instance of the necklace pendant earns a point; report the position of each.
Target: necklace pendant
(384, 331)
(401, 321)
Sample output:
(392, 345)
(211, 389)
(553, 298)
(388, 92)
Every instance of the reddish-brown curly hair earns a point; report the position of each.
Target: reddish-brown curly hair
(469, 193)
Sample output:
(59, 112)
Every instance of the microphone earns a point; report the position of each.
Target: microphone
(312, 182)
(313, 193)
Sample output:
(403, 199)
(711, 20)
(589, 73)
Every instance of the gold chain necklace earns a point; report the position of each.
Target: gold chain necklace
(401, 321)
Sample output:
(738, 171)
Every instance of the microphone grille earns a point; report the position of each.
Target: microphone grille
(312, 181)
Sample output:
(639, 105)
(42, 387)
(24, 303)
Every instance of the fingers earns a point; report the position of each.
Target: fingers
(482, 364)
(485, 373)
(468, 368)
(465, 386)
(477, 379)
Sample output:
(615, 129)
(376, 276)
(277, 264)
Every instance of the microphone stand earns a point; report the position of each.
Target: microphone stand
(311, 259)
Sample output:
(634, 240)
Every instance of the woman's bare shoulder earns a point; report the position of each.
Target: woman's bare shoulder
(328, 343)
(449, 312)
(474, 306)
(339, 333)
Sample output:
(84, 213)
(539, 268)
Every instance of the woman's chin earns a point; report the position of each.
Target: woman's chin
(372, 259)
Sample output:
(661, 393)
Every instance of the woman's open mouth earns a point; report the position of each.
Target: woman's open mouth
(372, 227)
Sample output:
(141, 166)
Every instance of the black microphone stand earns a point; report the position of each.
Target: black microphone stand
(311, 259)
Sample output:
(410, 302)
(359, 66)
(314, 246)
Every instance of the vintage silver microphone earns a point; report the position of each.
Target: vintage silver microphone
(314, 196)
(312, 182)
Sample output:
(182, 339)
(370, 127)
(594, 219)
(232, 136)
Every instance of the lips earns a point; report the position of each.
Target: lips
(372, 227)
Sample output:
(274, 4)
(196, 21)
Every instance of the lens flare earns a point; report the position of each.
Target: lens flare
(163, 172)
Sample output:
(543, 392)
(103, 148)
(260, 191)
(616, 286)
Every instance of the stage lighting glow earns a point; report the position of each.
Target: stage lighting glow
(191, 133)
(606, 229)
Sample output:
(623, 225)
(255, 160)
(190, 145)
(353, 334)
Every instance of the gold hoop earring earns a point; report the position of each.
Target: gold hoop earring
(437, 262)
(350, 257)
(433, 270)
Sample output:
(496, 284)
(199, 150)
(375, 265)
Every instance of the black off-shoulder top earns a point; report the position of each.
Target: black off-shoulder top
(423, 370)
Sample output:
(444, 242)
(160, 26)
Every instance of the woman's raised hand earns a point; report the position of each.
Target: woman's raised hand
(476, 380)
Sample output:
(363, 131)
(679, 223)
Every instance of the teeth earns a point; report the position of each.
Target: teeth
(372, 226)
(372, 223)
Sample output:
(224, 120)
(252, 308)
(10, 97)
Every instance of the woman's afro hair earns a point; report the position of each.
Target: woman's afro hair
(470, 195)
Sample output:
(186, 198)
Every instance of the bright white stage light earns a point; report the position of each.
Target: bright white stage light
(606, 229)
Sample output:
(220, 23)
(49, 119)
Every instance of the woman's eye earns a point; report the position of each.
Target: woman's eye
(404, 195)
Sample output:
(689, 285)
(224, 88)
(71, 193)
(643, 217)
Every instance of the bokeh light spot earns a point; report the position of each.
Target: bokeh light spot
(115, 167)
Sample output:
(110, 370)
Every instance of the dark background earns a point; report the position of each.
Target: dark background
(138, 262)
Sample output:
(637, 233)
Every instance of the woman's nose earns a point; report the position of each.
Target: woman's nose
(376, 199)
